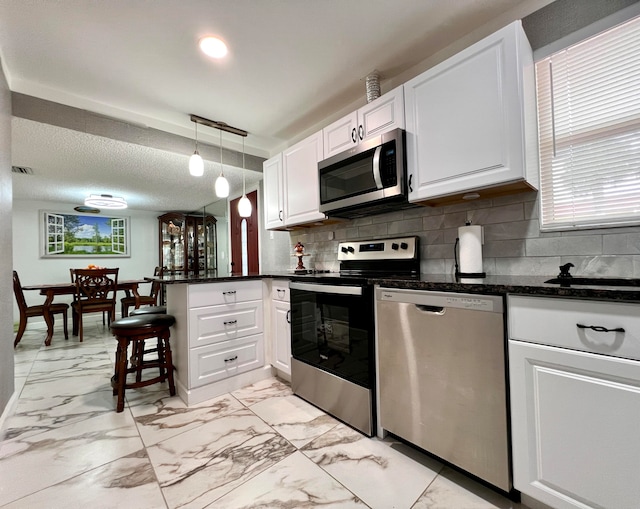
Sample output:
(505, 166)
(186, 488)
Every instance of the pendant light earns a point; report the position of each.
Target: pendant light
(196, 164)
(244, 205)
(222, 184)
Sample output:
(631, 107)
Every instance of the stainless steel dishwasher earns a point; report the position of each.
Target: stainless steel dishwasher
(442, 377)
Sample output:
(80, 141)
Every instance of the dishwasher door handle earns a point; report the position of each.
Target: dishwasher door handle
(434, 310)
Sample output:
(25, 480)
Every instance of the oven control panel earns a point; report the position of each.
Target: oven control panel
(397, 248)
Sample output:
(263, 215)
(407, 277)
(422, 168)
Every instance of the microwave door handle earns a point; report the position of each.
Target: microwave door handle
(376, 167)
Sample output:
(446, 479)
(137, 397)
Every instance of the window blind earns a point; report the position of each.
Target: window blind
(589, 131)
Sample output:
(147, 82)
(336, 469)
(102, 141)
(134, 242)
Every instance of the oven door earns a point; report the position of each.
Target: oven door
(332, 329)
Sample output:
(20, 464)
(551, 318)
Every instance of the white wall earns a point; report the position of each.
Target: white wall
(33, 269)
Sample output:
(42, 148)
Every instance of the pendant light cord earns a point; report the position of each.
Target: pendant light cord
(221, 166)
(244, 193)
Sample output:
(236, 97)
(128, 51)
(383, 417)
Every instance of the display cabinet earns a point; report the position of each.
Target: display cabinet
(187, 243)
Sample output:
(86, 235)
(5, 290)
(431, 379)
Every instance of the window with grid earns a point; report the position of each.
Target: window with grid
(589, 131)
(119, 235)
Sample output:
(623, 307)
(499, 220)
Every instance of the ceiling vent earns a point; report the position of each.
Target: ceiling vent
(24, 170)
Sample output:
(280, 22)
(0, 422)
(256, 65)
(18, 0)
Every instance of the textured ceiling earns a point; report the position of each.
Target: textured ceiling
(70, 165)
(293, 65)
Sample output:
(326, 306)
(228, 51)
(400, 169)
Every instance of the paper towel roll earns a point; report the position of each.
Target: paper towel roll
(470, 249)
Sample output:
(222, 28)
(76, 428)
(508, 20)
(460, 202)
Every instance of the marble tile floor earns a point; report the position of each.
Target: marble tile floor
(64, 446)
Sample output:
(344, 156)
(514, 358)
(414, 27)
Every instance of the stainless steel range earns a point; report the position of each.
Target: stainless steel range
(332, 328)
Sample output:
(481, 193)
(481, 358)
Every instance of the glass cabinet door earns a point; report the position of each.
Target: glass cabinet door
(209, 245)
(187, 243)
(172, 243)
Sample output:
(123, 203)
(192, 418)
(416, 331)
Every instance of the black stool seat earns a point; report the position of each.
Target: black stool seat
(144, 322)
(136, 329)
(149, 310)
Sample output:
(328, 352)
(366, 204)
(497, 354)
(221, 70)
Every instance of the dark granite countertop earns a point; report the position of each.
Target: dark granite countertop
(491, 285)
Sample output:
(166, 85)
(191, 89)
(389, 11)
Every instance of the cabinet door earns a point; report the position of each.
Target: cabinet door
(212, 363)
(301, 186)
(465, 123)
(575, 427)
(281, 336)
(213, 324)
(341, 135)
(273, 202)
(382, 115)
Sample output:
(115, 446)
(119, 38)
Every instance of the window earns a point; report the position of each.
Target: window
(589, 131)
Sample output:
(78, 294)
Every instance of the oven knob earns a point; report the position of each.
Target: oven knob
(394, 246)
(350, 249)
(404, 245)
(343, 249)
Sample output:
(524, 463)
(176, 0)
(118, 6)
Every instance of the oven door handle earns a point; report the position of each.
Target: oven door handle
(336, 289)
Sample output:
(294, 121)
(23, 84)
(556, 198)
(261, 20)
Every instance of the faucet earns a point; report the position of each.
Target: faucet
(564, 271)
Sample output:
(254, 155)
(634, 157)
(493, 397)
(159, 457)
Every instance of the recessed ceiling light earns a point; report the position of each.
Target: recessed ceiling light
(213, 47)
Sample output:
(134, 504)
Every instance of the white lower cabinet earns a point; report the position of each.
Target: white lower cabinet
(281, 328)
(218, 338)
(575, 404)
(221, 360)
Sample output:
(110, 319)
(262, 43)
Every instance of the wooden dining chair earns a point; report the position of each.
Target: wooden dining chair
(95, 292)
(29, 311)
(144, 300)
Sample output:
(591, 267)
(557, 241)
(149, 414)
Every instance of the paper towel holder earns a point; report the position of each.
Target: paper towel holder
(459, 274)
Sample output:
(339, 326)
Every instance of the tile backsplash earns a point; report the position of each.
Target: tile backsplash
(513, 243)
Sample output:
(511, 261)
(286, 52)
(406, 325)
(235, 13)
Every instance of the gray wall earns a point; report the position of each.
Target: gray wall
(6, 296)
(513, 244)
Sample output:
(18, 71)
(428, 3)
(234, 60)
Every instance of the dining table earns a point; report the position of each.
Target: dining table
(50, 290)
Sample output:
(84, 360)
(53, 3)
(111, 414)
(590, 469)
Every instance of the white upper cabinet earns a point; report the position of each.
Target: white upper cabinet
(379, 116)
(273, 192)
(301, 194)
(470, 120)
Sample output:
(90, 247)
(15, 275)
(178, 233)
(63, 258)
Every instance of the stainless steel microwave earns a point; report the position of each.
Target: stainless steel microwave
(366, 179)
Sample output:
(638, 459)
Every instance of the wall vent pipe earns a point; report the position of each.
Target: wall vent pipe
(372, 82)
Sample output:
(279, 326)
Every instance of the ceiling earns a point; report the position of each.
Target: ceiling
(292, 66)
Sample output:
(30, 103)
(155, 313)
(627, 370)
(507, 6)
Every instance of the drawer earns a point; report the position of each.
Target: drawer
(280, 291)
(229, 292)
(214, 324)
(554, 322)
(212, 363)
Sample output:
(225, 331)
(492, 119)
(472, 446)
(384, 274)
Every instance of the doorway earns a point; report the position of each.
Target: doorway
(244, 238)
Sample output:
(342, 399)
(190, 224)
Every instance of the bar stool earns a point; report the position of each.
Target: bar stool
(142, 350)
(149, 310)
(134, 330)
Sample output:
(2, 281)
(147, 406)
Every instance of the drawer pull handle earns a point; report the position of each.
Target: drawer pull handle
(288, 316)
(598, 328)
(231, 292)
(281, 292)
(231, 322)
(231, 359)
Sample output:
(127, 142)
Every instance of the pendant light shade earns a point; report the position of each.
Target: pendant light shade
(222, 184)
(196, 164)
(222, 187)
(244, 204)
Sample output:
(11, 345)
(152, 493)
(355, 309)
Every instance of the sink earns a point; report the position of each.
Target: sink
(594, 281)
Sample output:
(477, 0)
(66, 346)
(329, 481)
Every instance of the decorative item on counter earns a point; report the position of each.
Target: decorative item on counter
(468, 248)
(92, 266)
(298, 251)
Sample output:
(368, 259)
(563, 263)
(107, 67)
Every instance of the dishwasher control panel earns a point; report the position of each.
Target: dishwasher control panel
(488, 303)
